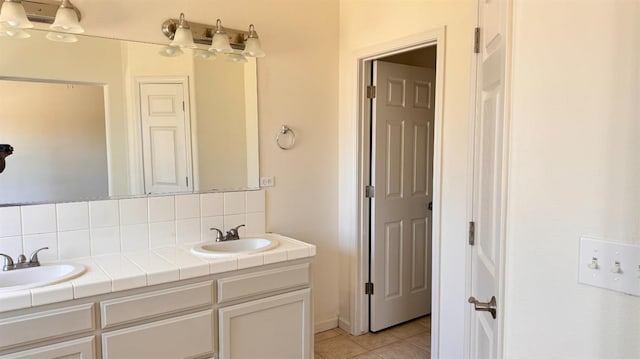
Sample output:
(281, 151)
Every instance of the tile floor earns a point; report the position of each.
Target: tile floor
(411, 340)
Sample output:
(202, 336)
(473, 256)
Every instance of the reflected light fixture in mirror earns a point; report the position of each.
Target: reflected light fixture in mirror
(13, 15)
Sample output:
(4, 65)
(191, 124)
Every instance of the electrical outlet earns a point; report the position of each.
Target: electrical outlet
(269, 181)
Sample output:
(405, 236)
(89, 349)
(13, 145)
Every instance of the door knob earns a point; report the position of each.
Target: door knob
(489, 306)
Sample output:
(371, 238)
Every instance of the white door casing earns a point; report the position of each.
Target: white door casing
(402, 172)
(166, 144)
(490, 180)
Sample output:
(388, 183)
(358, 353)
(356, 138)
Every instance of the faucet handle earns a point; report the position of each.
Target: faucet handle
(219, 235)
(233, 232)
(8, 262)
(34, 256)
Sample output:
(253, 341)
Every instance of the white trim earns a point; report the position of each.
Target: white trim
(359, 314)
(325, 325)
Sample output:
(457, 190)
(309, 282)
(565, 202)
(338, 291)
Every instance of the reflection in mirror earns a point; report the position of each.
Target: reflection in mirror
(109, 118)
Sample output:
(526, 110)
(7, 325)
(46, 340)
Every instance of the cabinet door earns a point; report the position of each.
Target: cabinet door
(187, 336)
(75, 349)
(277, 327)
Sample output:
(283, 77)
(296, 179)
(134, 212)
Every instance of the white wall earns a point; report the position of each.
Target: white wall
(297, 83)
(575, 164)
(364, 24)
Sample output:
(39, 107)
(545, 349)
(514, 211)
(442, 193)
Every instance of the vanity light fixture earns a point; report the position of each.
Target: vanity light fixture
(183, 37)
(13, 15)
(67, 19)
(220, 40)
(252, 46)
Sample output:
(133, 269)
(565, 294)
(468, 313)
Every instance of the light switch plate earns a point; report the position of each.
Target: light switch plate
(610, 265)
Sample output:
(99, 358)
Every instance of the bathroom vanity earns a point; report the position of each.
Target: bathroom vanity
(246, 307)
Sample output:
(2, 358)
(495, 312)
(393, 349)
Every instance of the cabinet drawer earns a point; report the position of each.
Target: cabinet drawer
(236, 287)
(187, 336)
(31, 328)
(148, 305)
(74, 349)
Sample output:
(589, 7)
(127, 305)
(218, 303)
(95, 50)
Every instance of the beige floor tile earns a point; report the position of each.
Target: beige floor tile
(422, 340)
(407, 330)
(425, 321)
(317, 356)
(327, 334)
(372, 341)
(367, 356)
(401, 350)
(339, 347)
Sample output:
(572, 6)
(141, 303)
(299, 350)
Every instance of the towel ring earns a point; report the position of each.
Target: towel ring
(283, 131)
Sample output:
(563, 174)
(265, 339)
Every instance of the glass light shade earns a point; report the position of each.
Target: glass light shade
(233, 57)
(220, 43)
(14, 33)
(252, 48)
(205, 55)
(12, 14)
(61, 37)
(170, 51)
(183, 38)
(67, 21)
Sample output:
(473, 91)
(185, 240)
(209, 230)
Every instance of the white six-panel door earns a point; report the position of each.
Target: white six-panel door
(402, 166)
(489, 179)
(165, 141)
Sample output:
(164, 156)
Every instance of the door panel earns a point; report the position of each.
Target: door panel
(402, 141)
(165, 138)
(489, 174)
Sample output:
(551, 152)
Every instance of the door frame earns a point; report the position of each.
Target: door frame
(136, 160)
(434, 37)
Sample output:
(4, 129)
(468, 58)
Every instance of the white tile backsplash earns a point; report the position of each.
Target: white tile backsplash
(188, 206)
(39, 219)
(133, 211)
(234, 203)
(33, 242)
(162, 234)
(104, 214)
(74, 244)
(212, 204)
(134, 237)
(162, 209)
(10, 222)
(72, 216)
(80, 229)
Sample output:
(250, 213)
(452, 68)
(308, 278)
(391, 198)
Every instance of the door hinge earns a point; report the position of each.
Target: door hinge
(187, 180)
(476, 41)
(371, 92)
(183, 107)
(368, 288)
(472, 233)
(369, 191)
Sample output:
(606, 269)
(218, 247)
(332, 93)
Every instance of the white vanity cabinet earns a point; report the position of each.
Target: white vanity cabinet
(262, 312)
(183, 336)
(271, 326)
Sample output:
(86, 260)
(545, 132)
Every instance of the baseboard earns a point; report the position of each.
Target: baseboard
(344, 325)
(322, 325)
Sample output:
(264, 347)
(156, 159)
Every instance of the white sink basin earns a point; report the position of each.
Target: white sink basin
(45, 274)
(247, 245)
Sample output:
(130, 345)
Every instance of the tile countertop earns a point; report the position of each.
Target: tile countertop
(122, 271)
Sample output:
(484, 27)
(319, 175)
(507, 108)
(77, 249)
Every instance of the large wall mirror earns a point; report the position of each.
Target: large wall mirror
(101, 118)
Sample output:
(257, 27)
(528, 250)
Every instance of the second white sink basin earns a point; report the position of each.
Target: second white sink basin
(242, 246)
(45, 274)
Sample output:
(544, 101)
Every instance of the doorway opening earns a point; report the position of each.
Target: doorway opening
(403, 244)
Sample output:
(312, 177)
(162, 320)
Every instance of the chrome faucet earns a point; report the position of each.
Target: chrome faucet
(231, 234)
(21, 262)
